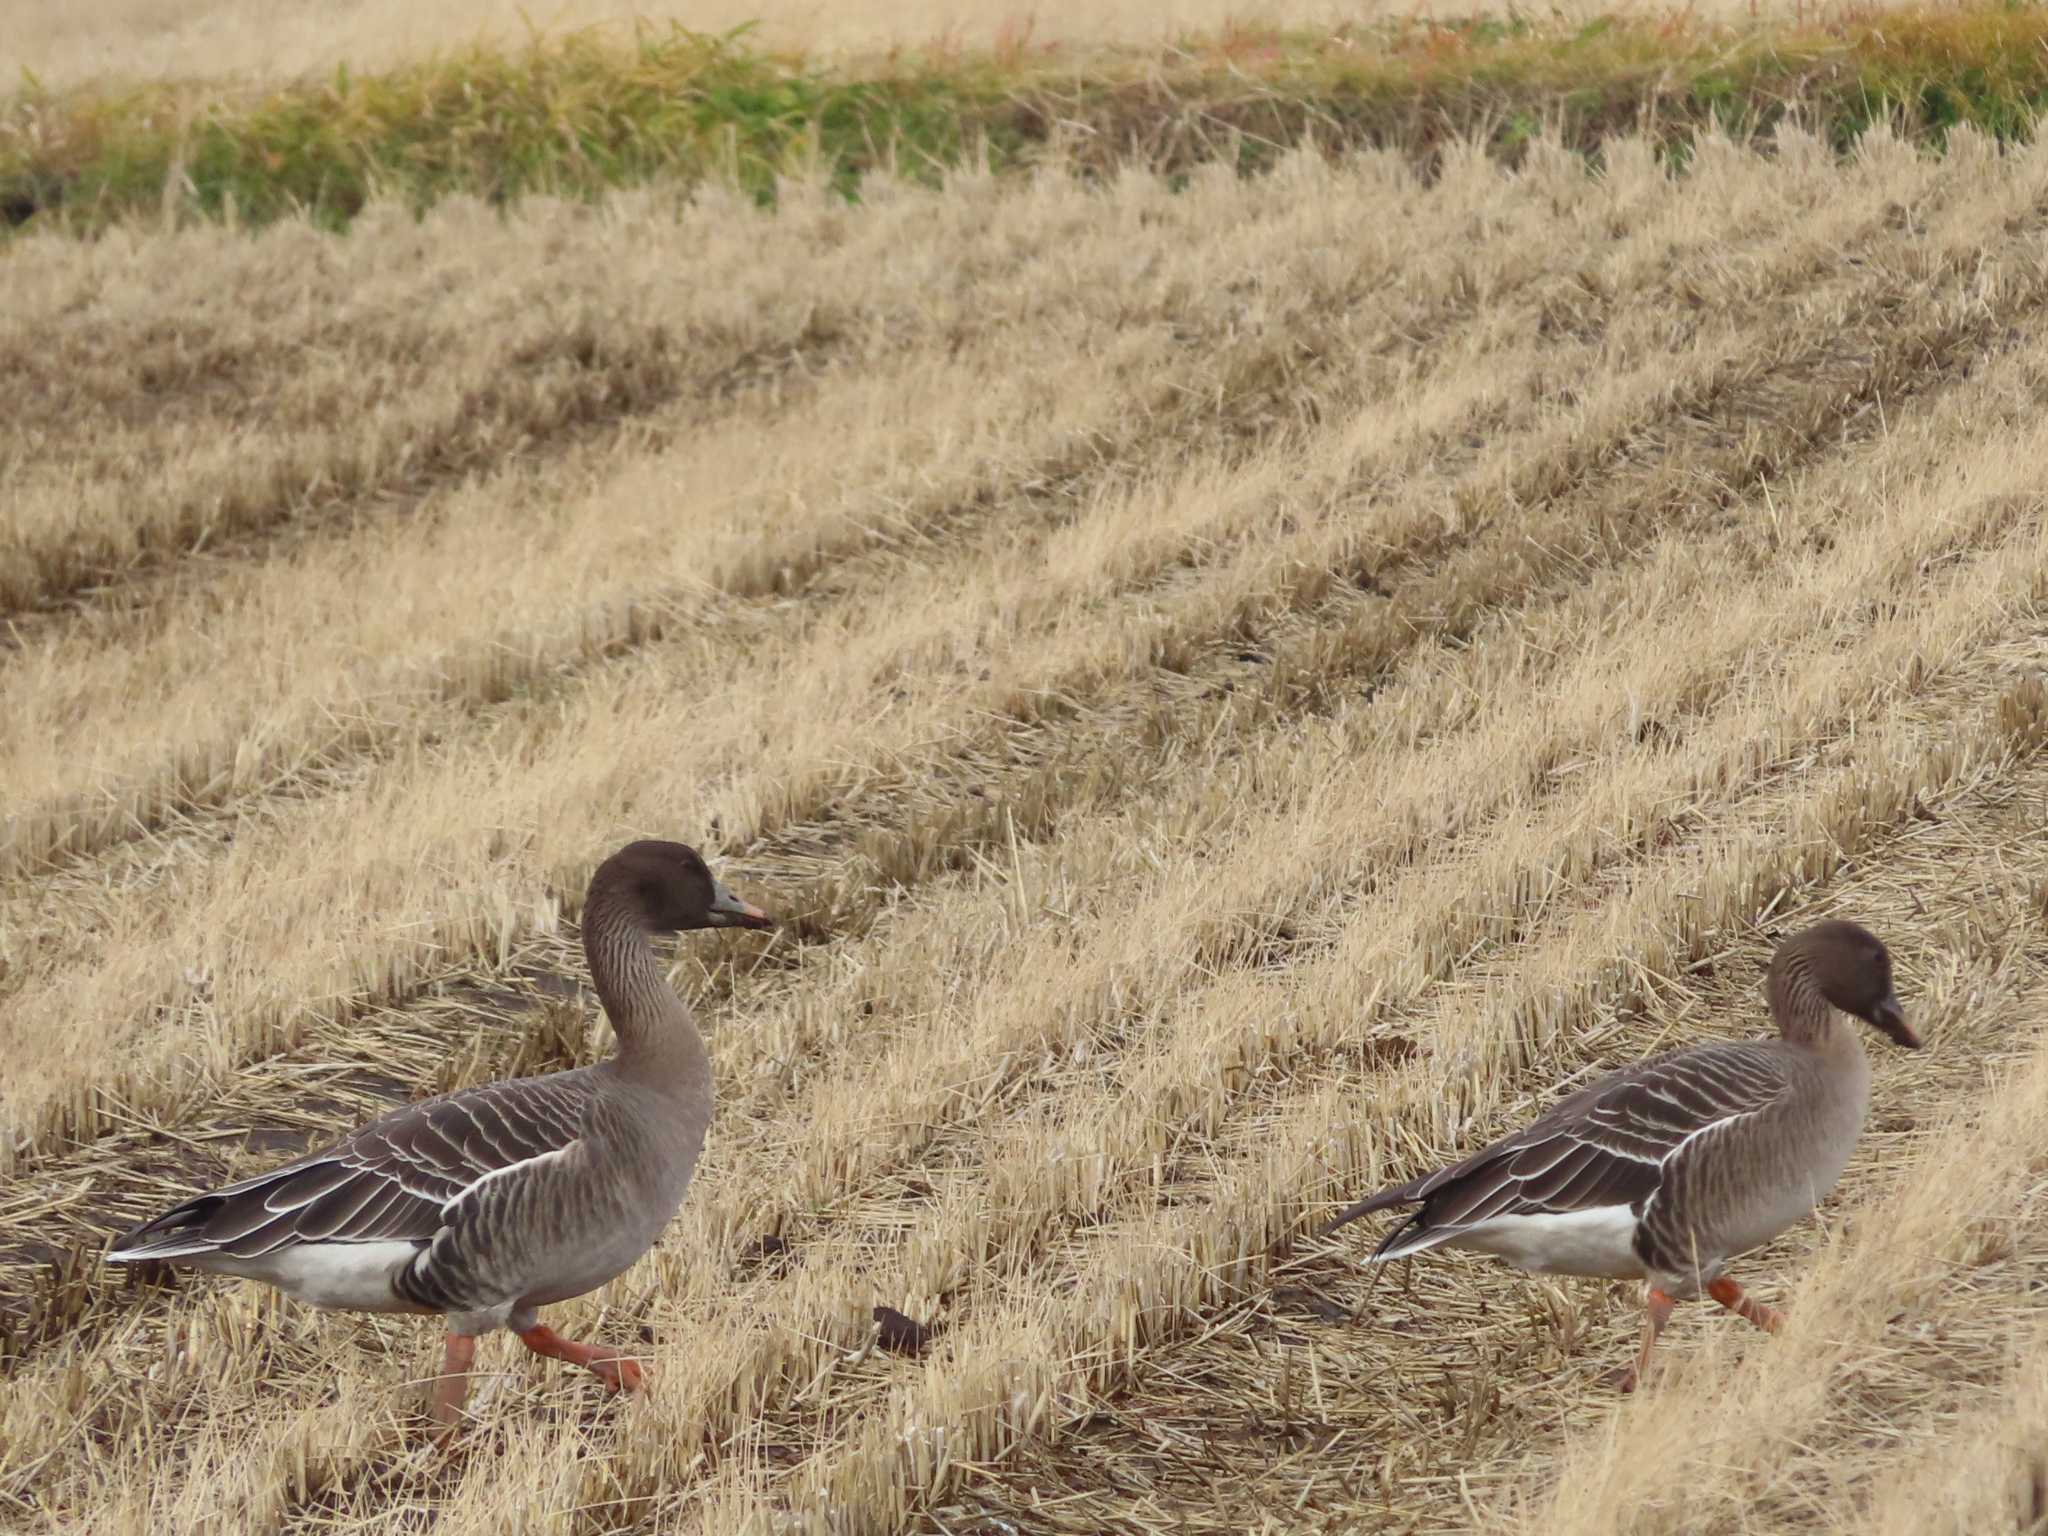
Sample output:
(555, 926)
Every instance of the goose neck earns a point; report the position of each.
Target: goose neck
(1803, 1015)
(657, 1035)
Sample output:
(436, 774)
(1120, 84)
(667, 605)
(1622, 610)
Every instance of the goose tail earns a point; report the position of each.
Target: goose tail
(179, 1233)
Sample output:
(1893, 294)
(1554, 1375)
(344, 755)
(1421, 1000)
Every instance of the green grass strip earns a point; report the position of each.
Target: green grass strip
(578, 114)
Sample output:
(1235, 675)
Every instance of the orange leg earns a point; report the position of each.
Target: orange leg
(1731, 1296)
(444, 1406)
(1656, 1313)
(614, 1367)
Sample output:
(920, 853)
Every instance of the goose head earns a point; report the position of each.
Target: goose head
(1850, 967)
(669, 888)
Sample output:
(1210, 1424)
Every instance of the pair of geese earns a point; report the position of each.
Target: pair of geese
(487, 1204)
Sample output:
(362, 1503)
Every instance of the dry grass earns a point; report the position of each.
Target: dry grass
(1240, 690)
(67, 45)
(582, 113)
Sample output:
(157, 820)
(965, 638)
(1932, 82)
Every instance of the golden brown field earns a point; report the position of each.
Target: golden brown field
(1240, 692)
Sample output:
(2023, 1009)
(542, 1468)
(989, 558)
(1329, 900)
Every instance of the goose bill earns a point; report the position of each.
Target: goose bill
(729, 911)
(1891, 1018)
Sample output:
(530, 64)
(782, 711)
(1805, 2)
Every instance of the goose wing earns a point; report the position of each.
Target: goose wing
(1608, 1145)
(396, 1179)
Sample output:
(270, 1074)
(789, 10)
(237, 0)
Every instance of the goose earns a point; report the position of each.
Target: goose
(1667, 1169)
(486, 1204)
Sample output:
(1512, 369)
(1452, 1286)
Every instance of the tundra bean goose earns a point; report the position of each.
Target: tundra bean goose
(486, 1204)
(1671, 1167)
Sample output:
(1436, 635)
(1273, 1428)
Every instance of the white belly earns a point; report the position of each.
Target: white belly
(1600, 1241)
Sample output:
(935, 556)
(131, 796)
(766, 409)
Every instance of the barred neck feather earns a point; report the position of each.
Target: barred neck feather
(1802, 1013)
(654, 1026)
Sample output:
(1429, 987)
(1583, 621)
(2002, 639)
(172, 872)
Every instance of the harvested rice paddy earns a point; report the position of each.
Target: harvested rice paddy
(1239, 687)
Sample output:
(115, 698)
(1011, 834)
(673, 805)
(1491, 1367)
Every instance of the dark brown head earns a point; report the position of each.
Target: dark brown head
(1849, 967)
(668, 888)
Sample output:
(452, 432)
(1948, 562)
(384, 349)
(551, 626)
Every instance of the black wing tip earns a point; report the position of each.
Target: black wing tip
(1395, 1245)
(129, 1248)
(137, 1243)
(125, 1253)
(167, 1236)
(1386, 1199)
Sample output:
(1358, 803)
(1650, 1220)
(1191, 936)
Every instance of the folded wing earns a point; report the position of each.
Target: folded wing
(1607, 1147)
(393, 1180)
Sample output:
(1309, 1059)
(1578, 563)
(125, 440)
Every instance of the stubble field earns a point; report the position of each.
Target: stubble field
(1238, 690)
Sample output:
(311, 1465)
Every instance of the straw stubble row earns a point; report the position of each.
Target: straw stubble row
(437, 599)
(1276, 674)
(372, 355)
(1261, 1038)
(447, 615)
(754, 1405)
(2022, 566)
(803, 702)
